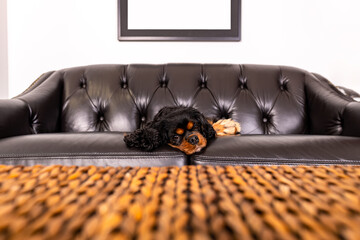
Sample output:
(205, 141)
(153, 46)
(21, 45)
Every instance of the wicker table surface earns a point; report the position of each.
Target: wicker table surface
(257, 202)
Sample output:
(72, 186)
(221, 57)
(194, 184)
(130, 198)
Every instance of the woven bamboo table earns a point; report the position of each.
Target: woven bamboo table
(258, 202)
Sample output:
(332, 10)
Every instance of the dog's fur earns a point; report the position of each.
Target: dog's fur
(184, 128)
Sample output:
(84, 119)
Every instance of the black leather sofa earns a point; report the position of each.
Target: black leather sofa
(78, 116)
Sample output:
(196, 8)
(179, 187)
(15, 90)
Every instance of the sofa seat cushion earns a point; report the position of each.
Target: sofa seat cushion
(280, 149)
(100, 149)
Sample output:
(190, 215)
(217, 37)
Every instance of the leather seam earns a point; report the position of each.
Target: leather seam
(208, 159)
(322, 162)
(90, 154)
(276, 161)
(93, 157)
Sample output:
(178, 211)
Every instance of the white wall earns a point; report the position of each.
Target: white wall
(3, 51)
(322, 36)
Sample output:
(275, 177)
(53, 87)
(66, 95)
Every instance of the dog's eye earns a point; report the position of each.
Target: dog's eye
(176, 137)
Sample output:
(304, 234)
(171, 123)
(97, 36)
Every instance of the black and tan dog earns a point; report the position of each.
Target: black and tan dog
(184, 128)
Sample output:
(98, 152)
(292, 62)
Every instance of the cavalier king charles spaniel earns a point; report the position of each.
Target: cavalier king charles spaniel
(184, 128)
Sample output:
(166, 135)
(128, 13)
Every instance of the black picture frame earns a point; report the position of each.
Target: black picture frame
(232, 34)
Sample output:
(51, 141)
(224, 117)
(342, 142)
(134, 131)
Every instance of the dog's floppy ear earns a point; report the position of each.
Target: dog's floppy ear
(206, 128)
(146, 139)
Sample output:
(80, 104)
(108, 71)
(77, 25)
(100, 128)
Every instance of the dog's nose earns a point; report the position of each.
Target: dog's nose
(193, 140)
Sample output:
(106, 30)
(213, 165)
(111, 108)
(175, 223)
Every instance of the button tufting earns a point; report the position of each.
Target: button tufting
(283, 83)
(124, 85)
(83, 82)
(164, 81)
(123, 82)
(243, 82)
(283, 86)
(101, 118)
(265, 120)
(143, 119)
(203, 81)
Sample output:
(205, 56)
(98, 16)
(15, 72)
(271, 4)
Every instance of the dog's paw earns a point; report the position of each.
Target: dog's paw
(225, 127)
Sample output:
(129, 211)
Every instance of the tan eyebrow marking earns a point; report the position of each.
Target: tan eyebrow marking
(190, 125)
(179, 131)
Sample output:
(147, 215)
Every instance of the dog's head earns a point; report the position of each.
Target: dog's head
(184, 128)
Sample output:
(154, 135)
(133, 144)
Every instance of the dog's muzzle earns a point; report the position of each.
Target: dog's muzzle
(191, 143)
(193, 139)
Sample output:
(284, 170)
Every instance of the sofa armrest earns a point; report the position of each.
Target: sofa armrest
(352, 119)
(43, 100)
(14, 118)
(330, 111)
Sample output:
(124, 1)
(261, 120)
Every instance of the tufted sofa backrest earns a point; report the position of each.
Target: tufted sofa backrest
(264, 99)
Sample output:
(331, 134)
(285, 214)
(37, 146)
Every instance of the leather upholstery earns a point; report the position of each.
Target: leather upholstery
(13, 113)
(351, 116)
(82, 149)
(281, 149)
(266, 100)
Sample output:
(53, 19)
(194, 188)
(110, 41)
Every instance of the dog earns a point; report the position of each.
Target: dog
(183, 128)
